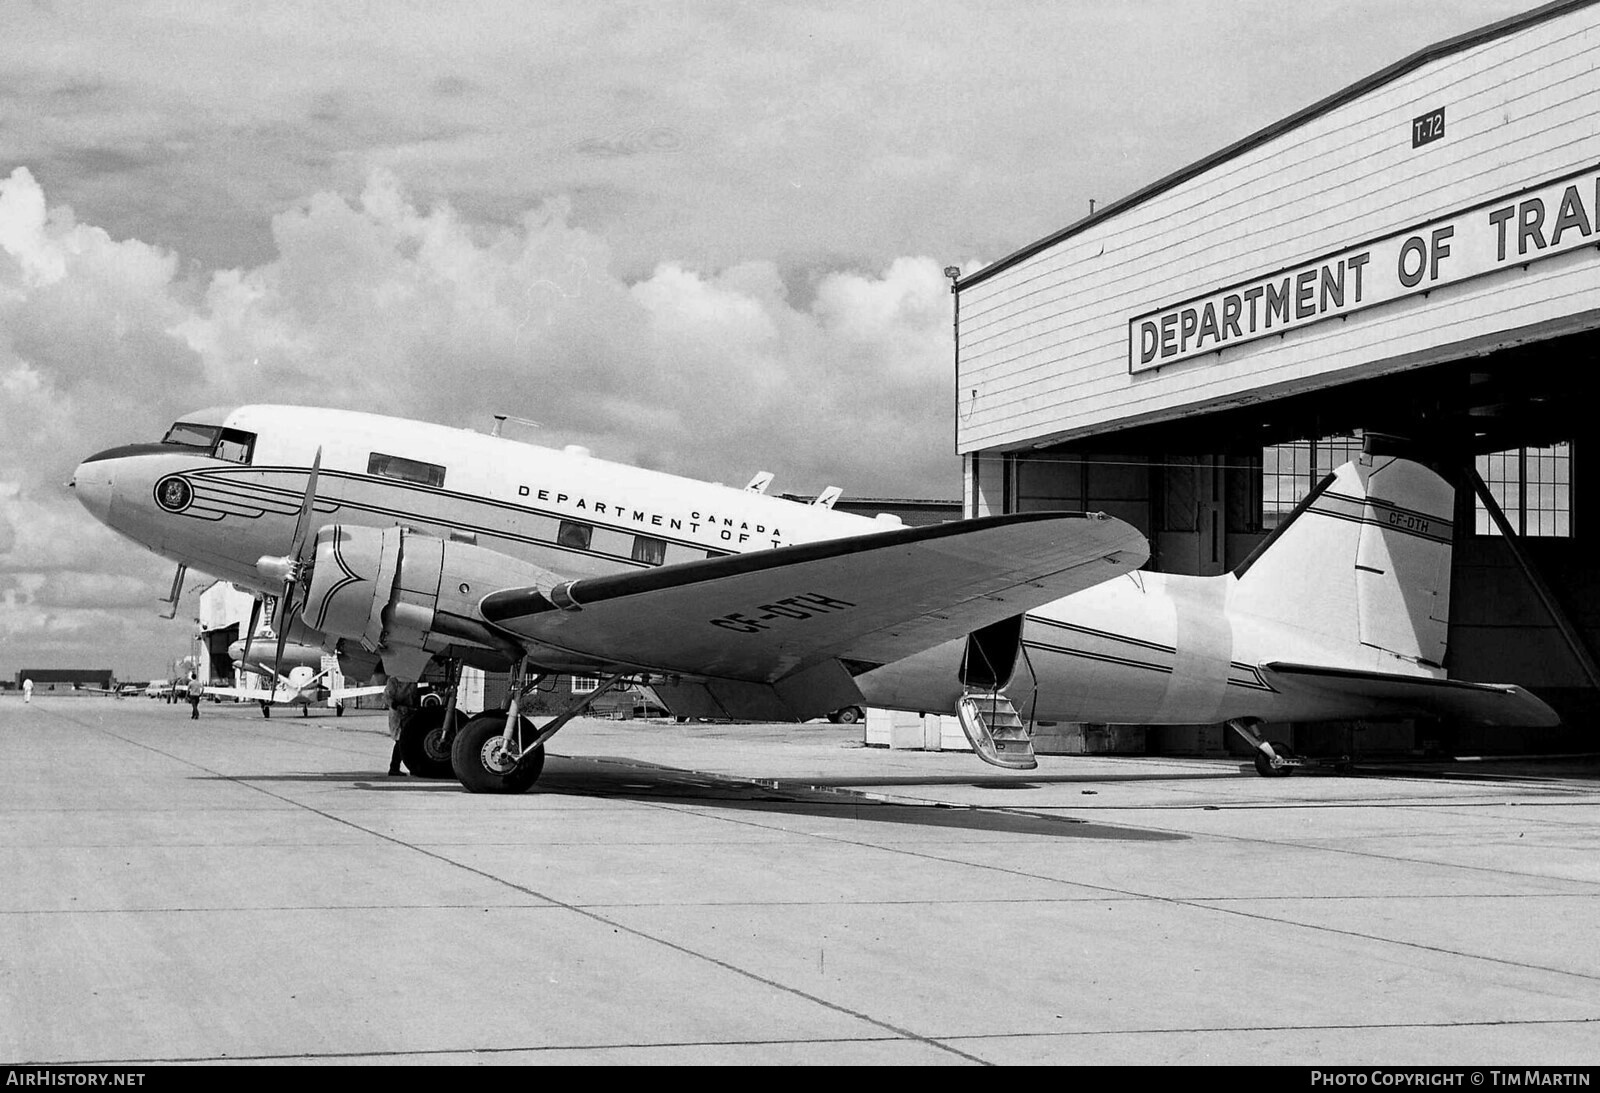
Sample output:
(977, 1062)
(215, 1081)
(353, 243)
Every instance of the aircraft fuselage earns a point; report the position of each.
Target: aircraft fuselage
(1144, 648)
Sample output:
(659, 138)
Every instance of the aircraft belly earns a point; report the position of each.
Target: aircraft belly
(927, 682)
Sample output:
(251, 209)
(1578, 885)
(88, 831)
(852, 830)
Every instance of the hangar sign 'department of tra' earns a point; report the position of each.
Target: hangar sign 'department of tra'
(1516, 229)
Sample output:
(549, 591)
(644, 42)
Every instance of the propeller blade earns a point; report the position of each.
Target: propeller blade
(250, 635)
(302, 523)
(277, 663)
(288, 610)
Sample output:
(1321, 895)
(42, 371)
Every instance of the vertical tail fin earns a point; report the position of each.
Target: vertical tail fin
(1364, 560)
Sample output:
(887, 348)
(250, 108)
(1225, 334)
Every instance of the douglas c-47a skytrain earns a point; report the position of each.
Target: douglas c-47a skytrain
(397, 544)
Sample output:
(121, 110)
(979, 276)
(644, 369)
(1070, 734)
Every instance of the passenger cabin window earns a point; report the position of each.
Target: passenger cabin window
(574, 535)
(234, 445)
(406, 470)
(648, 550)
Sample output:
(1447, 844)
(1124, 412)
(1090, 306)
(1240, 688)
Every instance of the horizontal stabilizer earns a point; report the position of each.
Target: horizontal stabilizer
(1500, 704)
(868, 599)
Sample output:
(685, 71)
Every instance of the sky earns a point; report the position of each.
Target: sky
(703, 237)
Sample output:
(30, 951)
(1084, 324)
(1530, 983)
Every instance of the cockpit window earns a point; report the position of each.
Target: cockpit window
(231, 444)
(235, 446)
(188, 435)
(406, 470)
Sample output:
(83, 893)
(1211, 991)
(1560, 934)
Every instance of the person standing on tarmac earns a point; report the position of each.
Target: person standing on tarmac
(402, 699)
(27, 691)
(195, 691)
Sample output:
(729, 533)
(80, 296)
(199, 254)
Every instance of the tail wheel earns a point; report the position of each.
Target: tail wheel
(425, 742)
(482, 762)
(1264, 765)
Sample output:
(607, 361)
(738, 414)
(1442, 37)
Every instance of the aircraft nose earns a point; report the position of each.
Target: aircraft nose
(94, 483)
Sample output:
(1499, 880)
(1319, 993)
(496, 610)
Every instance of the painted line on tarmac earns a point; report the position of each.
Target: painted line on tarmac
(896, 1033)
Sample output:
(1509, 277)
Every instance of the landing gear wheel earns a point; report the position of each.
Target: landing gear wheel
(425, 743)
(849, 715)
(481, 762)
(1264, 765)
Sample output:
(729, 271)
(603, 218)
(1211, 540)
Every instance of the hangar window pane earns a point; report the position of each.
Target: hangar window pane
(1288, 471)
(1243, 490)
(1180, 494)
(1532, 486)
(585, 685)
(1118, 485)
(1049, 483)
(1333, 452)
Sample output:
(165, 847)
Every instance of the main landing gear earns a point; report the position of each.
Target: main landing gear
(426, 736)
(503, 752)
(489, 760)
(427, 733)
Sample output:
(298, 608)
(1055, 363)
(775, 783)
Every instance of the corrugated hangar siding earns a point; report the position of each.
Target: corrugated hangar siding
(1044, 341)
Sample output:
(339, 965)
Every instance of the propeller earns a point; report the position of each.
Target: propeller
(292, 567)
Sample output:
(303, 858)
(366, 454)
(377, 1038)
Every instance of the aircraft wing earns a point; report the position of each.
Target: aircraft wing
(1482, 703)
(343, 693)
(866, 600)
(248, 694)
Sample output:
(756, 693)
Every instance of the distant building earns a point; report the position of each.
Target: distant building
(46, 680)
(1415, 255)
(224, 618)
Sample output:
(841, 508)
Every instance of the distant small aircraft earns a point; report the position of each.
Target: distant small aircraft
(419, 545)
(300, 672)
(116, 690)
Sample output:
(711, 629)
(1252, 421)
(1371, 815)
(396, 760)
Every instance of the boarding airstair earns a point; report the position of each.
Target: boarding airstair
(996, 732)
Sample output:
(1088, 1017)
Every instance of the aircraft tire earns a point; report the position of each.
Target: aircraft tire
(1264, 765)
(849, 715)
(472, 755)
(424, 745)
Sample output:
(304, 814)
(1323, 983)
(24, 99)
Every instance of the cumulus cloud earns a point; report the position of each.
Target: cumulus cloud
(372, 301)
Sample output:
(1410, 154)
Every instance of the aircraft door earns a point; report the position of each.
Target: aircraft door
(991, 655)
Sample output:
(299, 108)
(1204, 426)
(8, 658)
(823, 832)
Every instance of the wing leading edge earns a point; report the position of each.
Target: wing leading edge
(794, 613)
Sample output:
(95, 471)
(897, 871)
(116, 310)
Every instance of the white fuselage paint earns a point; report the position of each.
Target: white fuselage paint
(1141, 649)
(1145, 648)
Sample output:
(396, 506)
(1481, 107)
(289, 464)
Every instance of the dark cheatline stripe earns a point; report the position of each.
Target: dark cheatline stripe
(1104, 658)
(1106, 634)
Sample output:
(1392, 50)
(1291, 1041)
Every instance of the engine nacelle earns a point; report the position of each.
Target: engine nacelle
(404, 595)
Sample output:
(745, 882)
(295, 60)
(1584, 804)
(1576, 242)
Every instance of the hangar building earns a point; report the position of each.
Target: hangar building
(1416, 255)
